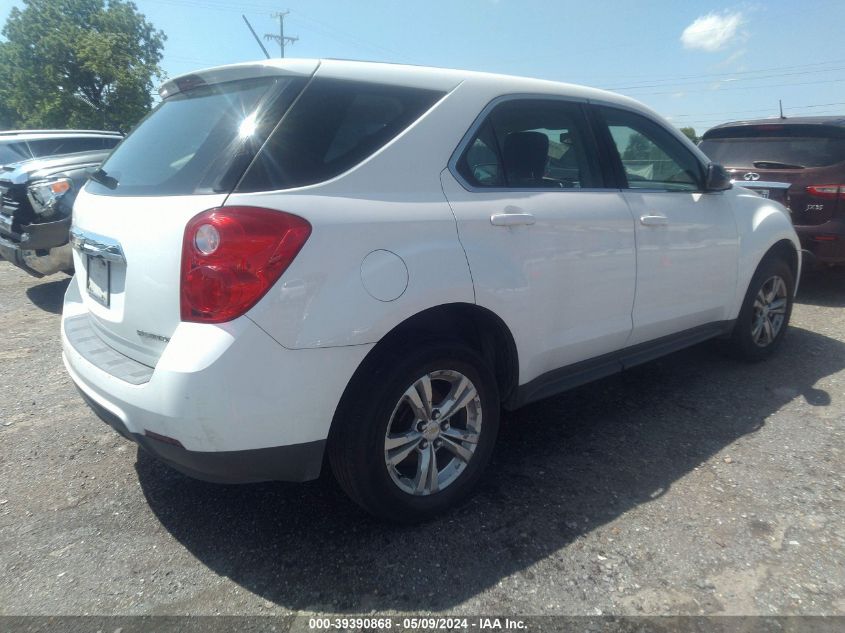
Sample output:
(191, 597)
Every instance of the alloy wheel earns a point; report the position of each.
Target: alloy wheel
(769, 311)
(433, 432)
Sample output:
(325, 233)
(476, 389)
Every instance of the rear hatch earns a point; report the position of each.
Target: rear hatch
(809, 158)
(184, 158)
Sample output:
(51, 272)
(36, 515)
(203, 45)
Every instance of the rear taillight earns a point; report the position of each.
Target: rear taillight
(231, 256)
(828, 192)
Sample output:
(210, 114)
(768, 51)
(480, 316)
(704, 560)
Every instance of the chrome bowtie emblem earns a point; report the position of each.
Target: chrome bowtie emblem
(752, 175)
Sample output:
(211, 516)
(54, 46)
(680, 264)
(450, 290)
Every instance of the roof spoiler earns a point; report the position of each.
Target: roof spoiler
(234, 72)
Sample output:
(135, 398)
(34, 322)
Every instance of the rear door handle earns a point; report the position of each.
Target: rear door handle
(512, 219)
(654, 220)
(96, 246)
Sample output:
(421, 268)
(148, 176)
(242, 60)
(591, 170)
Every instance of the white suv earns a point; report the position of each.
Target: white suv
(292, 259)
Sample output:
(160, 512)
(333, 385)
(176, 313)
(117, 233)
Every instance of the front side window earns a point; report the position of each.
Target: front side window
(531, 144)
(651, 157)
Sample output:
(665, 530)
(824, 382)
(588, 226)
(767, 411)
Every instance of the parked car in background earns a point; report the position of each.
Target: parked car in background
(36, 198)
(20, 145)
(797, 161)
(294, 257)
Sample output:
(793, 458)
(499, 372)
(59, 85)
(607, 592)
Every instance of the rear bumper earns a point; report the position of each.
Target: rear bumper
(825, 242)
(224, 403)
(298, 462)
(42, 249)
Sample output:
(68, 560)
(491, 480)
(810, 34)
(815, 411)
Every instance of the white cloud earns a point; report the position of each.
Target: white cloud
(713, 32)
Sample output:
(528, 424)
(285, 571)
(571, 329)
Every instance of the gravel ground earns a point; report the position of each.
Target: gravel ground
(691, 485)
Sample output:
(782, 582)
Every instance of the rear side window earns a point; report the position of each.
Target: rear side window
(531, 144)
(789, 145)
(55, 146)
(333, 126)
(13, 152)
(199, 140)
(48, 146)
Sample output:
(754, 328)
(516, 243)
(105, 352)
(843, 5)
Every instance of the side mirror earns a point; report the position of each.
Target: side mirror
(718, 179)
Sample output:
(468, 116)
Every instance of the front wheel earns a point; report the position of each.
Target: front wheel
(764, 316)
(416, 430)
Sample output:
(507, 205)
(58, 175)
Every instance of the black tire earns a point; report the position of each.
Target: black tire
(744, 343)
(357, 451)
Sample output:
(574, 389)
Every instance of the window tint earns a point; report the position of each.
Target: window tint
(13, 152)
(198, 141)
(333, 126)
(651, 157)
(530, 144)
(480, 165)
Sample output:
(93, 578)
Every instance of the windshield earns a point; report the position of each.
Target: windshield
(198, 141)
(805, 151)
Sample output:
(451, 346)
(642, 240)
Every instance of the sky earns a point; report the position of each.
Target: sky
(697, 63)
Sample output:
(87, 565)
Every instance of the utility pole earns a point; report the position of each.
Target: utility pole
(281, 38)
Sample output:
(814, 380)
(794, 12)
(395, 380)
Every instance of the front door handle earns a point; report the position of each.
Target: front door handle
(512, 219)
(654, 220)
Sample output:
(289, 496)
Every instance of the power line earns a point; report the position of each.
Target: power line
(319, 26)
(331, 31)
(728, 79)
(671, 79)
(756, 110)
(800, 83)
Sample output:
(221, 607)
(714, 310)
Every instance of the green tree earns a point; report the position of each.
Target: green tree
(689, 132)
(78, 64)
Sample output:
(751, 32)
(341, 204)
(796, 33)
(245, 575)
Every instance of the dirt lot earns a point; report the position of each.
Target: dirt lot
(691, 485)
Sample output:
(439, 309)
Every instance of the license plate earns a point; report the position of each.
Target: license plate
(99, 280)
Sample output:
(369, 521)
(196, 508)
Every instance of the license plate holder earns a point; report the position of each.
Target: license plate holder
(98, 281)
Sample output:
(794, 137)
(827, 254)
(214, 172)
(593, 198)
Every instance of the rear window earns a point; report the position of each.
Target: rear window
(200, 140)
(803, 146)
(333, 126)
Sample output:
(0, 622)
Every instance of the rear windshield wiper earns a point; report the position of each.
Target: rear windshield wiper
(773, 164)
(98, 175)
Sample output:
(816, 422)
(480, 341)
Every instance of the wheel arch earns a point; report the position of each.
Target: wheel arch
(787, 251)
(471, 324)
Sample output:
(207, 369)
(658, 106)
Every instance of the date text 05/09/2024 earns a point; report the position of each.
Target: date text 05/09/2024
(420, 623)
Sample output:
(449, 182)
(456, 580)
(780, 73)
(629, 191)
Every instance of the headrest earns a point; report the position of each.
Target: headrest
(525, 154)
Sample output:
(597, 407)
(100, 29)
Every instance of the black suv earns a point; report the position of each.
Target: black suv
(36, 198)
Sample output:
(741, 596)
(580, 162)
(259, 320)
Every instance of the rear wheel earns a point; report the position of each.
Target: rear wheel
(765, 312)
(415, 431)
